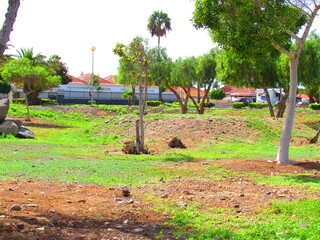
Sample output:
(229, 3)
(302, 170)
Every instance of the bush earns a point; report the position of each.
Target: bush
(217, 94)
(258, 105)
(49, 102)
(209, 105)
(4, 87)
(238, 105)
(314, 106)
(19, 100)
(153, 103)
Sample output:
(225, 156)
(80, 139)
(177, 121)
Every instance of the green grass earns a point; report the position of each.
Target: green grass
(75, 148)
(295, 220)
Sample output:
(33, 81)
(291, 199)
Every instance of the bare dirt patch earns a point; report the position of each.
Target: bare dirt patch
(52, 210)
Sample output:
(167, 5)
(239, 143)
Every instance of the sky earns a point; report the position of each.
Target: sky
(69, 28)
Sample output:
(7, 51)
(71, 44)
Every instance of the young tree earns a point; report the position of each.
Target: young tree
(127, 76)
(206, 75)
(159, 24)
(136, 54)
(23, 73)
(10, 18)
(254, 26)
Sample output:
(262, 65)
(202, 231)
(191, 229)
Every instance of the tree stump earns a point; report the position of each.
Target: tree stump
(176, 143)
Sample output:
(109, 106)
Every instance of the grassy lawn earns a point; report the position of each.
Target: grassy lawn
(73, 150)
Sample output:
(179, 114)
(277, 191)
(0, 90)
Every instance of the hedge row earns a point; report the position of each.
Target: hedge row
(258, 105)
(44, 101)
(314, 106)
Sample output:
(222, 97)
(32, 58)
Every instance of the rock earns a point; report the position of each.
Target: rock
(4, 108)
(25, 133)
(16, 121)
(165, 196)
(71, 224)
(138, 230)
(126, 192)
(20, 226)
(8, 127)
(15, 208)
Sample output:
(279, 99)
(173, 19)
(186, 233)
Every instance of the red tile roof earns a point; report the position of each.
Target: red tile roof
(241, 91)
(85, 79)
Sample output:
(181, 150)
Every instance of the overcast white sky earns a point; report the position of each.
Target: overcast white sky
(69, 28)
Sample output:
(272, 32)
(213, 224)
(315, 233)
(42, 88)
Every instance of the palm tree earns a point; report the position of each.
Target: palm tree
(32, 95)
(158, 25)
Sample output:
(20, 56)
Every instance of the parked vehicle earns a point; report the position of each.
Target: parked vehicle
(246, 101)
(302, 104)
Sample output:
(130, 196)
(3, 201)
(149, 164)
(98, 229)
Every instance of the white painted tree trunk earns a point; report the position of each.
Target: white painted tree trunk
(284, 144)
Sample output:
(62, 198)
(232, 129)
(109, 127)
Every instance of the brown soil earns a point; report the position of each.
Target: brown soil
(53, 210)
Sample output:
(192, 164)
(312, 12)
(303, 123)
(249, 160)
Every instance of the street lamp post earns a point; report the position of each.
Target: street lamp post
(92, 75)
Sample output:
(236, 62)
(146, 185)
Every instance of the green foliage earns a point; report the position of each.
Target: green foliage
(248, 27)
(217, 94)
(159, 23)
(21, 71)
(49, 102)
(238, 105)
(209, 104)
(19, 100)
(258, 105)
(314, 106)
(153, 103)
(4, 87)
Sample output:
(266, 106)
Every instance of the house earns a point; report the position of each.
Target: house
(234, 93)
(79, 91)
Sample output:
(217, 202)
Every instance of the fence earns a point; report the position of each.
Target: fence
(111, 98)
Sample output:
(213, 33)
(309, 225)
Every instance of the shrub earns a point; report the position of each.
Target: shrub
(4, 87)
(153, 103)
(49, 102)
(123, 111)
(19, 100)
(258, 105)
(314, 106)
(209, 104)
(238, 105)
(217, 94)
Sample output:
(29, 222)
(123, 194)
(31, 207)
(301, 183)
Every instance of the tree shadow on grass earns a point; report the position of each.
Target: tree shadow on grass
(177, 157)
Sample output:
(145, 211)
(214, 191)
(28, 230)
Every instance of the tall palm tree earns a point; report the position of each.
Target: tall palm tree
(158, 25)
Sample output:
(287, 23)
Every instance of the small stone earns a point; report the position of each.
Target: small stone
(184, 204)
(52, 211)
(68, 201)
(126, 192)
(131, 201)
(7, 227)
(241, 195)
(165, 195)
(186, 192)
(119, 227)
(236, 206)
(15, 208)
(223, 198)
(71, 224)
(138, 230)
(20, 226)
(126, 221)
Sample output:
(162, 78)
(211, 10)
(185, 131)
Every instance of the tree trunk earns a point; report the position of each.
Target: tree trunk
(284, 143)
(266, 92)
(282, 105)
(133, 98)
(184, 108)
(199, 95)
(7, 27)
(160, 94)
(315, 138)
